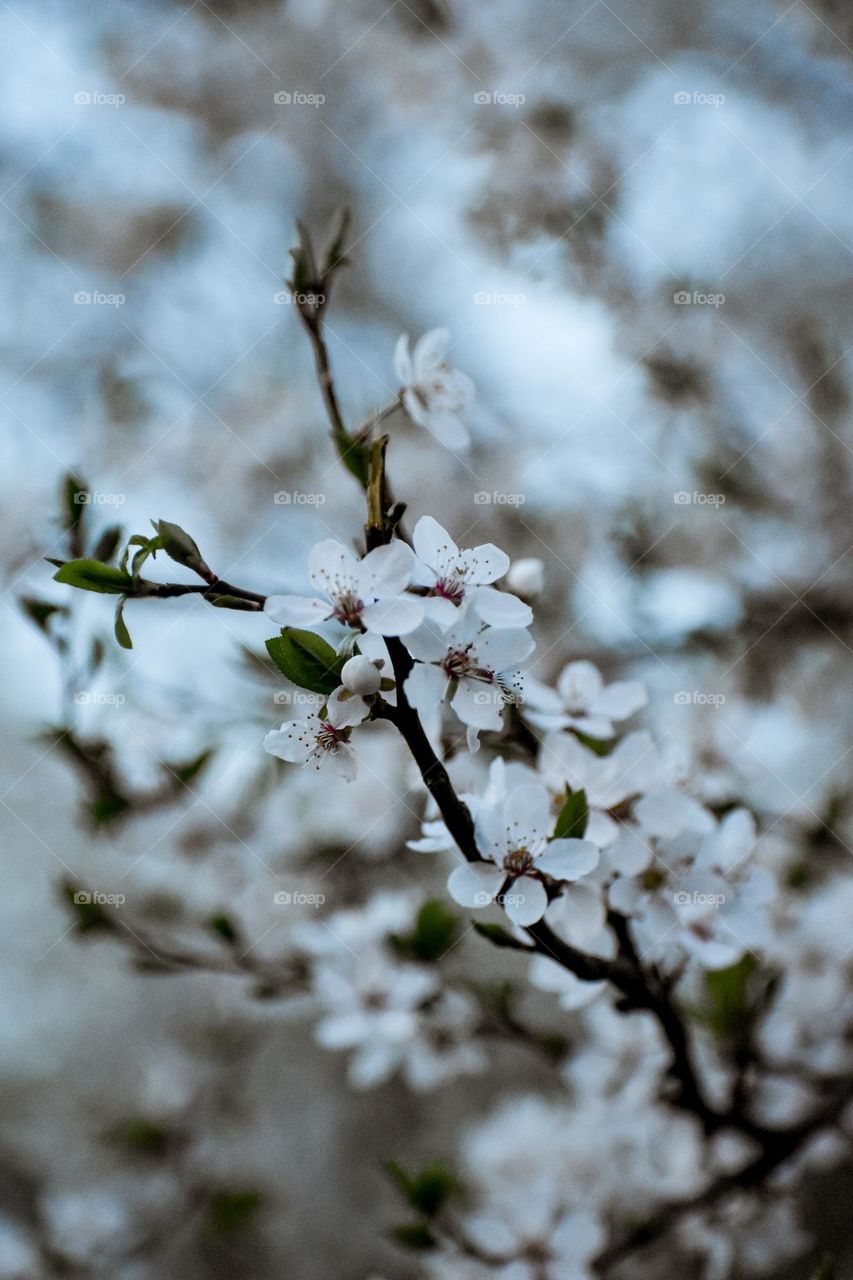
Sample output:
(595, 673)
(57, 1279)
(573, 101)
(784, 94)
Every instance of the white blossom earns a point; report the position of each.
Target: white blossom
(514, 840)
(367, 594)
(583, 701)
(434, 393)
(455, 578)
(323, 737)
(360, 675)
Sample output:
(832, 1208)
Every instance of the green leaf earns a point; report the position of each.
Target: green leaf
(147, 547)
(226, 930)
(40, 612)
(74, 495)
(413, 1235)
(305, 277)
(436, 929)
(306, 659)
(574, 815)
(108, 543)
(178, 544)
(727, 992)
(598, 746)
(337, 237)
(121, 632)
(231, 1211)
(91, 575)
(183, 772)
(496, 934)
(138, 1135)
(89, 916)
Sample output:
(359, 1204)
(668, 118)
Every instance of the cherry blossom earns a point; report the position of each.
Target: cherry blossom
(583, 701)
(367, 594)
(513, 838)
(455, 578)
(434, 393)
(323, 737)
(478, 666)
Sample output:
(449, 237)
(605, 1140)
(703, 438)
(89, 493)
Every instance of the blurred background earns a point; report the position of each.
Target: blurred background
(636, 223)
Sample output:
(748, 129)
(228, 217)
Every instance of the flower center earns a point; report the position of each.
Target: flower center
(518, 861)
(329, 738)
(451, 588)
(348, 608)
(457, 664)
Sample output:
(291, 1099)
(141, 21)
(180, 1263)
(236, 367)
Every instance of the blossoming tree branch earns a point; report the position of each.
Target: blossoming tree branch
(614, 885)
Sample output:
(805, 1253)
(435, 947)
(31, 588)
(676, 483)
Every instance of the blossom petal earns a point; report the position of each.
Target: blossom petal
(403, 361)
(434, 545)
(478, 704)
(484, 564)
(475, 884)
(390, 567)
(579, 683)
(296, 611)
(393, 615)
(501, 648)
(619, 700)
(333, 569)
(441, 611)
(527, 816)
(568, 859)
(294, 741)
(430, 351)
(499, 608)
(525, 901)
(344, 762)
(343, 712)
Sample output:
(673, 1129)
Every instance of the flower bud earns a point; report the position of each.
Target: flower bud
(526, 577)
(360, 675)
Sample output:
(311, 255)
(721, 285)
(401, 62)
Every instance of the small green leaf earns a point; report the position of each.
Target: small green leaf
(574, 815)
(183, 772)
(231, 1211)
(108, 543)
(413, 1235)
(74, 495)
(598, 746)
(121, 632)
(306, 659)
(178, 544)
(223, 926)
(138, 1135)
(727, 992)
(436, 929)
(337, 238)
(91, 575)
(496, 934)
(305, 278)
(40, 612)
(89, 916)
